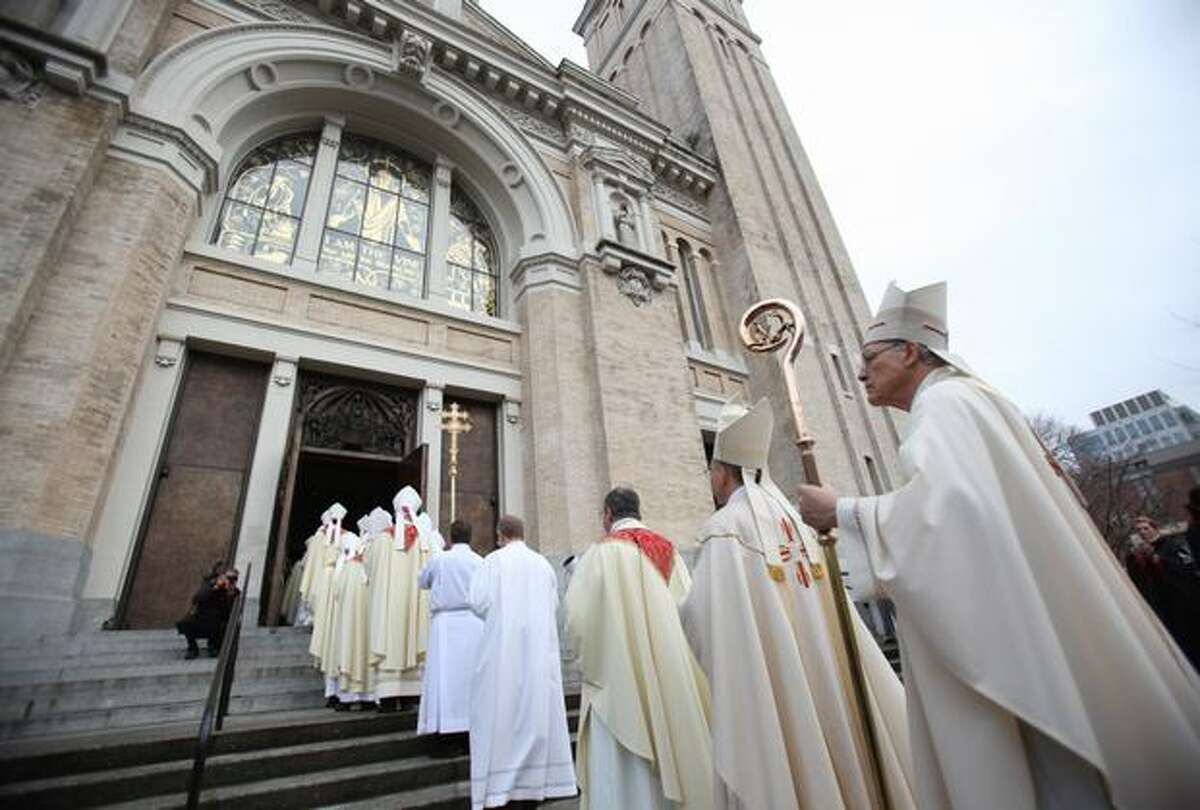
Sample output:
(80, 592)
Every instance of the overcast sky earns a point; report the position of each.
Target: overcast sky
(1043, 157)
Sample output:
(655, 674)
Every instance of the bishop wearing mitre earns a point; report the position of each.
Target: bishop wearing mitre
(318, 593)
(350, 662)
(761, 618)
(1036, 676)
(311, 565)
(643, 719)
(399, 625)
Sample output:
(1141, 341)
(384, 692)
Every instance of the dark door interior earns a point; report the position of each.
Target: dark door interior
(196, 507)
(478, 475)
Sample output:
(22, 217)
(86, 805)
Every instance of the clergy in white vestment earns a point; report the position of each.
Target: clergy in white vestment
(349, 663)
(398, 625)
(454, 636)
(1036, 676)
(310, 564)
(520, 746)
(761, 618)
(643, 719)
(319, 593)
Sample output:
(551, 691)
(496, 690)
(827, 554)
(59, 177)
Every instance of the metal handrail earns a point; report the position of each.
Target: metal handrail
(217, 705)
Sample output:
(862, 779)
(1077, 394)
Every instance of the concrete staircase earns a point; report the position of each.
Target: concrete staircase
(110, 720)
(97, 681)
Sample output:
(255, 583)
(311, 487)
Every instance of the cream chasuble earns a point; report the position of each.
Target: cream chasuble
(520, 747)
(454, 637)
(782, 711)
(319, 592)
(349, 625)
(399, 626)
(1032, 665)
(643, 722)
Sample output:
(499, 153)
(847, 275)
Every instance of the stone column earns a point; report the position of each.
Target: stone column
(604, 220)
(133, 476)
(316, 204)
(512, 460)
(254, 537)
(439, 230)
(430, 433)
(562, 436)
(64, 399)
(646, 233)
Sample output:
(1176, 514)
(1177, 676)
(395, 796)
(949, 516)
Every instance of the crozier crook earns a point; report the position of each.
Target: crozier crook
(766, 328)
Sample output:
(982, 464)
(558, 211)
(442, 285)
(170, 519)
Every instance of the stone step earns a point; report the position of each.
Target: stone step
(223, 770)
(15, 667)
(139, 711)
(136, 676)
(142, 640)
(48, 757)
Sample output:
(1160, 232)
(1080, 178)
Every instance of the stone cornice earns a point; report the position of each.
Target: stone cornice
(569, 94)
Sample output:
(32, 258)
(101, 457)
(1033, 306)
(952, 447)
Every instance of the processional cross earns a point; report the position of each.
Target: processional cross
(455, 421)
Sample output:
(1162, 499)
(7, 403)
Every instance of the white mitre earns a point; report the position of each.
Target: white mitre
(425, 531)
(336, 513)
(744, 441)
(917, 316)
(406, 499)
(379, 521)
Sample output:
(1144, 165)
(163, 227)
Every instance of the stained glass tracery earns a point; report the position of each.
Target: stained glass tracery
(261, 212)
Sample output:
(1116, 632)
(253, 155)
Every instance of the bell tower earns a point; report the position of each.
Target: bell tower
(697, 66)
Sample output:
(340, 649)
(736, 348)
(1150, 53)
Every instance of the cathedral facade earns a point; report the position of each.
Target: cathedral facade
(257, 251)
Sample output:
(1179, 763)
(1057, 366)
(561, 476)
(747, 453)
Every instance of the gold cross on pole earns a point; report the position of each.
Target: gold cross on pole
(455, 421)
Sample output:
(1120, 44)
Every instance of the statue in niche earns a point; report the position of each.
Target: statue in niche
(17, 78)
(625, 224)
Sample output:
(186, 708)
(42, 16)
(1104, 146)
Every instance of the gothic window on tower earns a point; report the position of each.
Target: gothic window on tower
(377, 226)
(260, 215)
(695, 295)
(472, 277)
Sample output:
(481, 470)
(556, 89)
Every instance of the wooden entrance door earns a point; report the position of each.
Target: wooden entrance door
(196, 507)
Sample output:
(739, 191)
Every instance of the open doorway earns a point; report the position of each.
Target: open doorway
(352, 442)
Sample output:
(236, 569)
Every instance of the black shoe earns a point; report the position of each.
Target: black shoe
(387, 705)
(368, 706)
(331, 702)
(190, 654)
(341, 707)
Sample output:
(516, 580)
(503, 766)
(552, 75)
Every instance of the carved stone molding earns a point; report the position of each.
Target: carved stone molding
(512, 412)
(169, 351)
(447, 113)
(284, 373)
(638, 275)
(18, 79)
(414, 53)
(340, 415)
(358, 76)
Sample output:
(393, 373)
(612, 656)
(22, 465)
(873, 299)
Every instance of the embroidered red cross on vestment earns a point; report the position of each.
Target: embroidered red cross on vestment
(658, 549)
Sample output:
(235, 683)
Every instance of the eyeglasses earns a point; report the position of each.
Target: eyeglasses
(866, 359)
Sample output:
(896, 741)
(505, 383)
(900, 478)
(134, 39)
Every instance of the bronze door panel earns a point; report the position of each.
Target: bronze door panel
(196, 507)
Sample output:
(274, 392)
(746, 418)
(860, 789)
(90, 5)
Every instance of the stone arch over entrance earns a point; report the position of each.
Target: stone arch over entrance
(217, 95)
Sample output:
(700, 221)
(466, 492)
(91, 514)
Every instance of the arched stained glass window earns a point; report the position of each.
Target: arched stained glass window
(265, 199)
(471, 269)
(377, 227)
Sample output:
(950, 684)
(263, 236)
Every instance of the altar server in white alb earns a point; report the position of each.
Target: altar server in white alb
(1036, 676)
(454, 636)
(520, 747)
(398, 624)
(761, 618)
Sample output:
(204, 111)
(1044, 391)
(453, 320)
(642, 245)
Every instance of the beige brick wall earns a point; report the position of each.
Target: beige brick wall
(67, 390)
(650, 438)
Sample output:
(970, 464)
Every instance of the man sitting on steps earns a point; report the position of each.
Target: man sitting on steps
(211, 607)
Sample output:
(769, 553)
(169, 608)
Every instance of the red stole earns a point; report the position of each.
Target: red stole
(410, 534)
(658, 549)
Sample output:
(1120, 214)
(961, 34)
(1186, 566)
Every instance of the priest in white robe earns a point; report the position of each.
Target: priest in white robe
(399, 626)
(643, 720)
(520, 746)
(454, 635)
(761, 618)
(1036, 675)
(349, 660)
(310, 563)
(319, 594)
